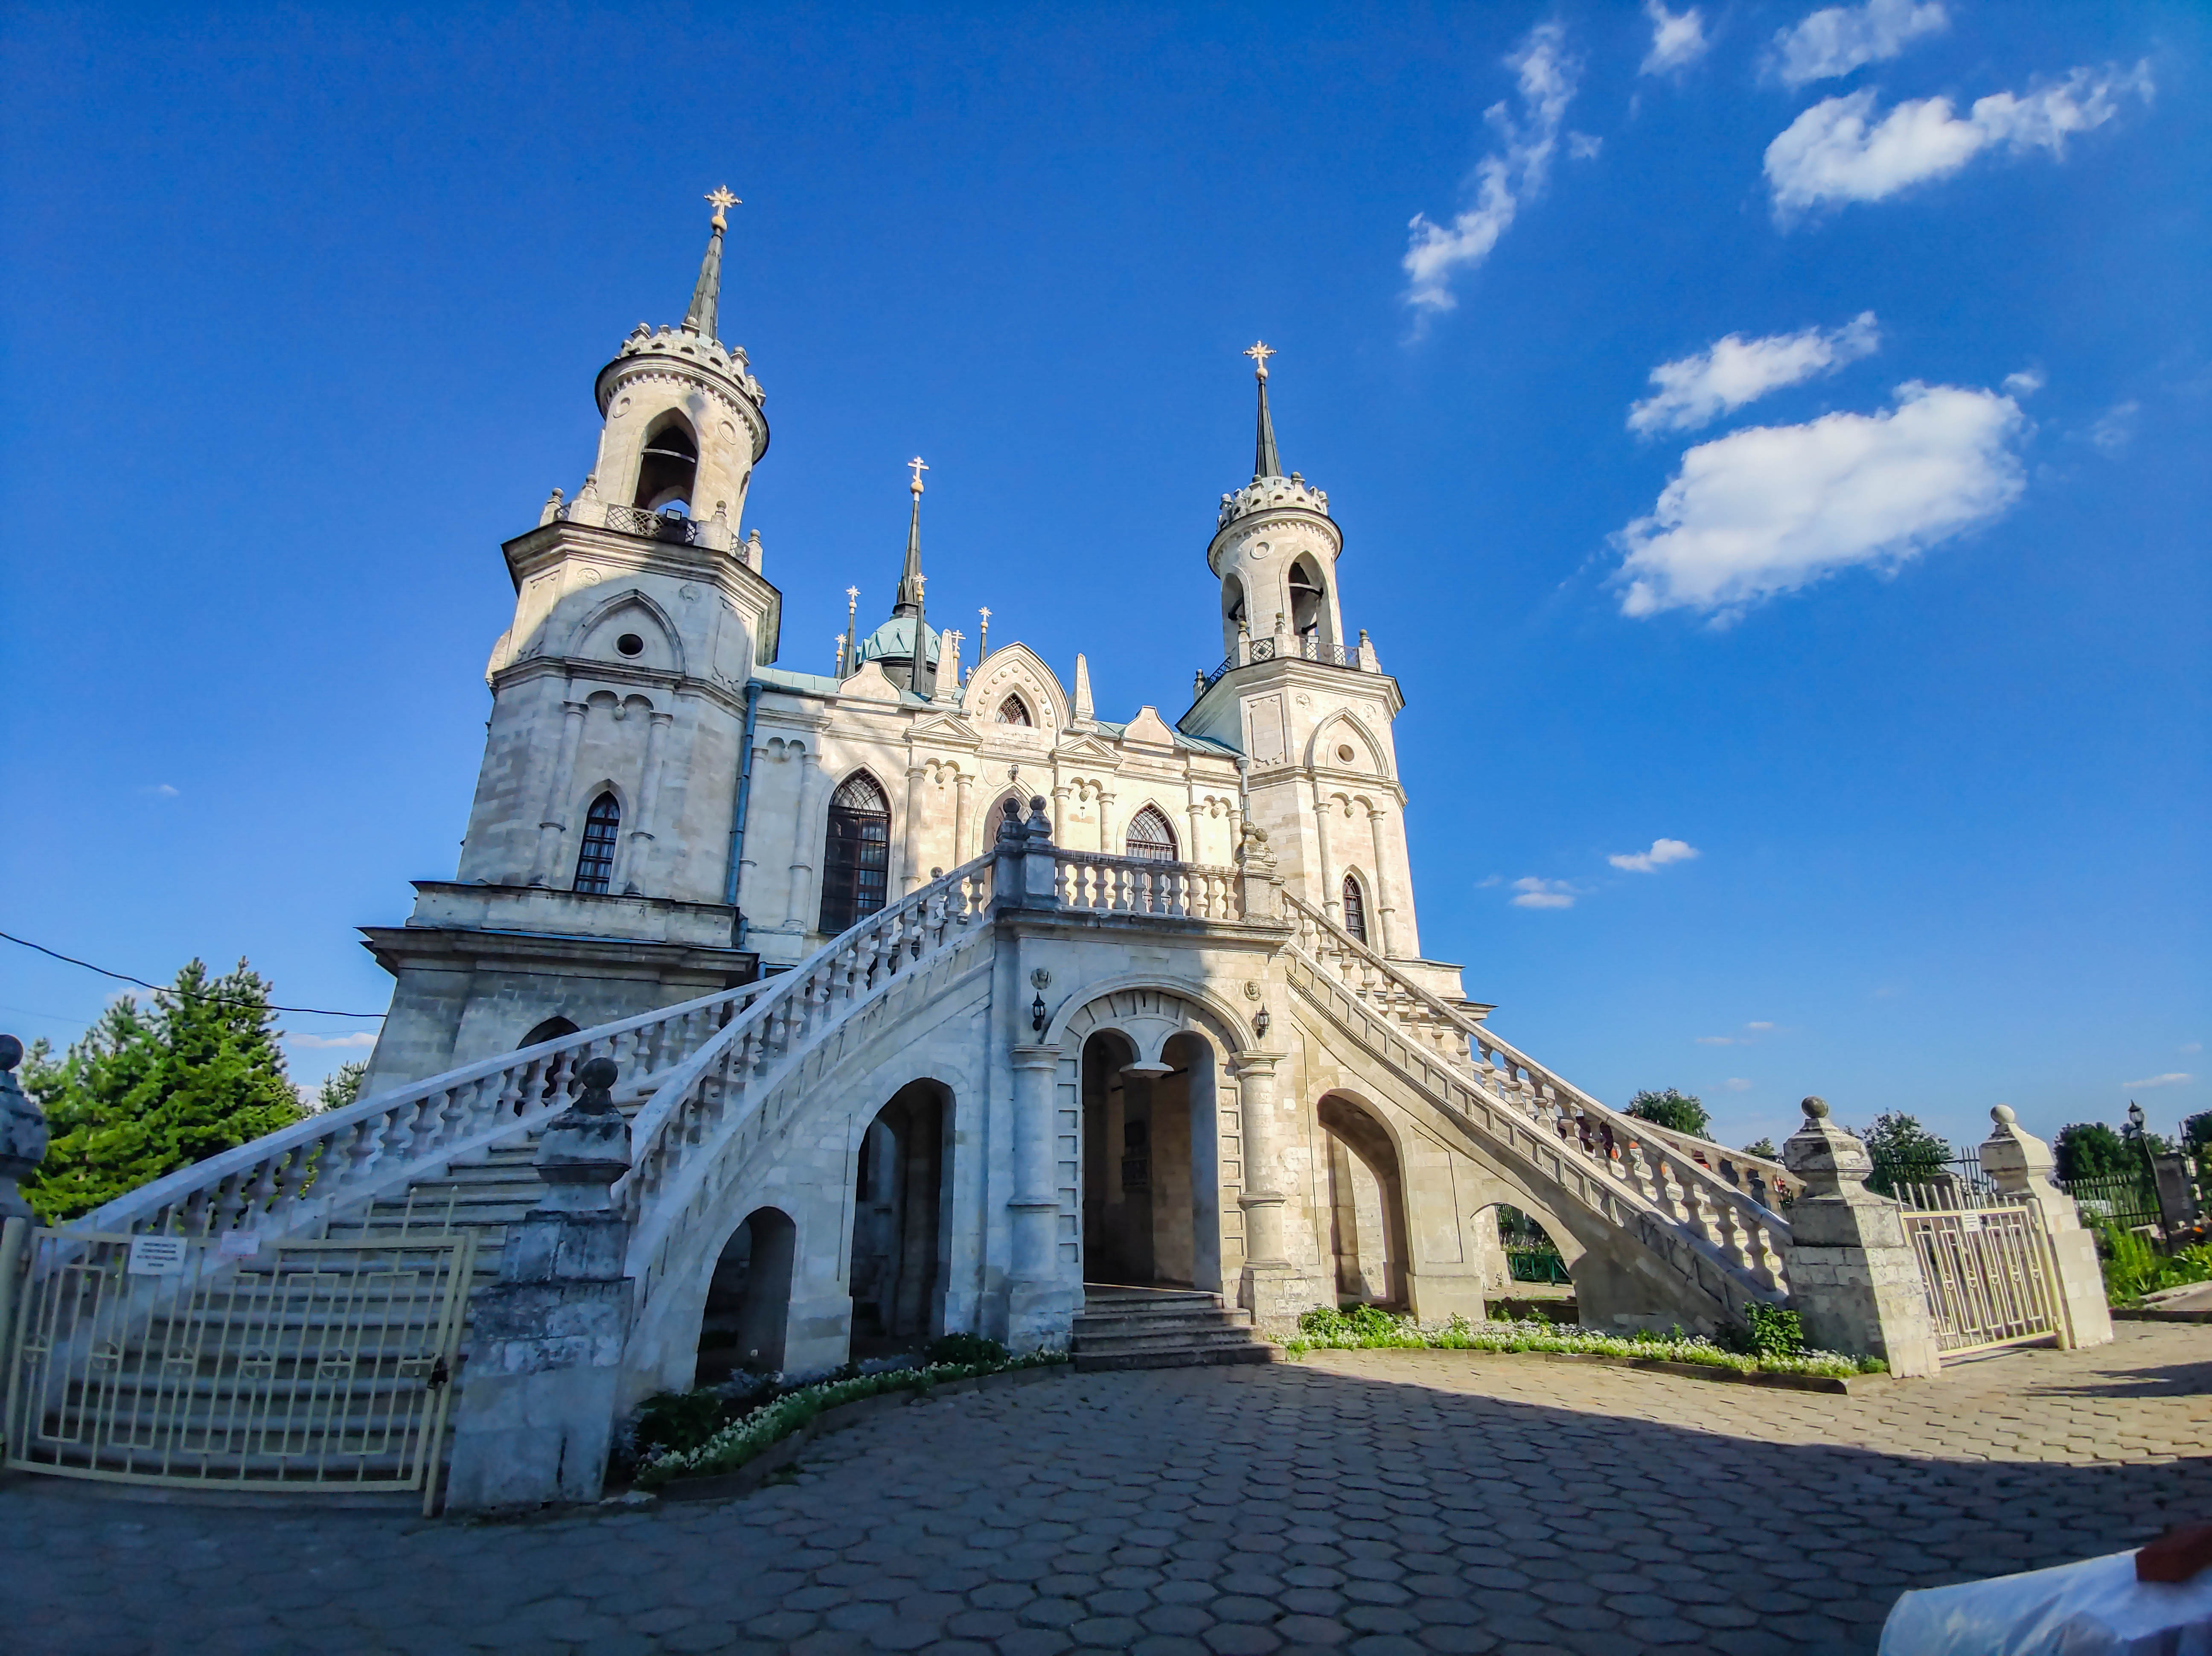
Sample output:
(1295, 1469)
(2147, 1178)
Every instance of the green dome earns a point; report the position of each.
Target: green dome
(894, 642)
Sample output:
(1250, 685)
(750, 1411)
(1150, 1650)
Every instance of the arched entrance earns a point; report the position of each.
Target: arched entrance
(1151, 1197)
(1366, 1206)
(749, 1299)
(900, 1229)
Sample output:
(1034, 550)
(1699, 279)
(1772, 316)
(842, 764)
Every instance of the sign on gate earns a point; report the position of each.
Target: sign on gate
(1988, 1275)
(311, 1366)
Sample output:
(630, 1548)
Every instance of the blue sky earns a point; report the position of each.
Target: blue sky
(1771, 434)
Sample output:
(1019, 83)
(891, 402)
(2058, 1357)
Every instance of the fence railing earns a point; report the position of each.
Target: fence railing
(1988, 1275)
(1123, 885)
(672, 527)
(1746, 1233)
(1289, 648)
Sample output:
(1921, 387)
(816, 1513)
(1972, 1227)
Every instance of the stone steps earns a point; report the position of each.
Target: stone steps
(1162, 1328)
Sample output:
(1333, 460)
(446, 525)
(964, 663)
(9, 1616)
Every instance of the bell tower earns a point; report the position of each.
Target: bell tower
(599, 876)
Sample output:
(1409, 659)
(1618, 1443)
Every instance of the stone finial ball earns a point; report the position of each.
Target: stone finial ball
(11, 1052)
(1816, 1108)
(599, 1074)
(1011, 808)
(2002, 1115)
(1036, 802)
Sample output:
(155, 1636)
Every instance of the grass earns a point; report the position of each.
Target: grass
(1368, 1329)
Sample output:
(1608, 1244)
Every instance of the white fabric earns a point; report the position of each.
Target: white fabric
(2095, 1608)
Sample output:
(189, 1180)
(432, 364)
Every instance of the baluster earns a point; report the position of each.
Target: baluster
(255, 1196)
(297, 1168)
(195, 1213)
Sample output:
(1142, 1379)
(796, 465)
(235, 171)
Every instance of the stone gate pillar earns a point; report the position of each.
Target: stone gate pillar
(2021, 1162)
(539, 1394)
(1853, 1277)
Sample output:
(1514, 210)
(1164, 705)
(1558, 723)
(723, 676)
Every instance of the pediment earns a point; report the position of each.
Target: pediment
(1017, 670)
(946, 730)
(869, 684)
(1087, 750)
(1148, 729)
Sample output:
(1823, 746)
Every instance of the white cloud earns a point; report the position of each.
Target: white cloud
(1694, 391)
(1834, 153)
(2171, 1078)
(1758, 1026)
(1738, 1084)
(1508, 176)
(1584, 146)
(1836, 39)
(1720, 1040)
(1768, 509)
(161, 790)
(2116, 428)
(2025, 383)
(1677, 41)
(330, 1043)
(2192, 1046)
(1534, 893)
(1662, 852)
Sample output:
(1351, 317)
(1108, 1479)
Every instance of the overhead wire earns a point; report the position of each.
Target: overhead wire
(171, 989)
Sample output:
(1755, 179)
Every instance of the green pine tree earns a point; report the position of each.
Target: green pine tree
(342, 1085)
(1904, 1153)
(147, 1091)
(1682, 1111)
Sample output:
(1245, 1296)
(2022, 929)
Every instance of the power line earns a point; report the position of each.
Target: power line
(170, 989)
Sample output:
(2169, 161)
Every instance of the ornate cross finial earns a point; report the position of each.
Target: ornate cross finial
(1261, 350)
(721, 198)
(917, 467)
(853, 594)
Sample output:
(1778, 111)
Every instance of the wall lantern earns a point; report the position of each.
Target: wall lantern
(1038, 1016)
(1260, 1022)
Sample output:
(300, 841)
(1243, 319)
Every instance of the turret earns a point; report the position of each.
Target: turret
(1274, 552)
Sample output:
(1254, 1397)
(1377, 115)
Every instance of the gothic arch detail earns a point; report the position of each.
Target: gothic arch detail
(596, 633)
(856, 852)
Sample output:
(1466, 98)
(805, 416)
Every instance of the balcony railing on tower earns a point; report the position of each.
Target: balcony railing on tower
(1299, 647)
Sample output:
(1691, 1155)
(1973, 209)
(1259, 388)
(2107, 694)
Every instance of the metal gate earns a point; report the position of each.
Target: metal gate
(312, 1366)
(1989, 1273)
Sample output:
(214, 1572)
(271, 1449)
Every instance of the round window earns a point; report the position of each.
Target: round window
(631, 644)
(1344, 753)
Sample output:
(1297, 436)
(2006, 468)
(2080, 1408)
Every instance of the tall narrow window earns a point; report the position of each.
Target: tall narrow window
(1013, 710)
(856, 855)
(1150, 837)
(1355, 910)
(595, 863)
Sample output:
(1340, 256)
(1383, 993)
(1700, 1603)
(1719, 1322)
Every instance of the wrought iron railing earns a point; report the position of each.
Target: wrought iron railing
(671, 526)
(1291, 650)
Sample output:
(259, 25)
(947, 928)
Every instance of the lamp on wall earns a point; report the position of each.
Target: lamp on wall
(1038, 1016)
(1260, 1022)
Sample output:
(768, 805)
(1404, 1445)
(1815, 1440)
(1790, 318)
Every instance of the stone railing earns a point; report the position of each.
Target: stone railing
(1127, 885)
(1745, 1232)
(727, 1075)
(290, 1180)
(1764, 1181)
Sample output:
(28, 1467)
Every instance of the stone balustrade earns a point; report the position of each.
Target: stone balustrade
(1138, 886)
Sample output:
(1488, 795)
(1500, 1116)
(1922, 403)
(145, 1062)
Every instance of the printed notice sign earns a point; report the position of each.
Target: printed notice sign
(1970, 1221)
(156, 1256)
(237, 1244)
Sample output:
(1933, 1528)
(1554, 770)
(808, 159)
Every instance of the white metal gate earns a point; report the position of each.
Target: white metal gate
(1989, 1276)
(308, 1365)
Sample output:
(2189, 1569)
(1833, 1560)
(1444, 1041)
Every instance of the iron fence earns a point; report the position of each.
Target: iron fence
(1988, 1274)
(1294, 649)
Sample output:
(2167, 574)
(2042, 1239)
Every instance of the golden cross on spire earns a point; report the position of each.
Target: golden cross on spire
(917, 467)
(1260, 352)
(721, 198)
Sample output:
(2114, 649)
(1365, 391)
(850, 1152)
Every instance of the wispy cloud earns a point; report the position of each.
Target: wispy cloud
(330, 1043)
(1758, 1026)
(1510, 175)
(1678, 40)
(161, 790)
(1693, 391)
(2114, 427)
(1721, 1040)
(1534, 893)
(1836, 151)
(2192, 1046)
(1769, 509)
(1836, 39)
(2171, 1078)
(1738, 1084)
(1662, 852)
(2025, 383)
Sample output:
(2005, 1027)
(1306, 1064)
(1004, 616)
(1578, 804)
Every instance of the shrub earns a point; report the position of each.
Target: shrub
(1683, 1112)
(1325, 1329)
(1774, 1332)
(2133, 1268)
(964, 1348)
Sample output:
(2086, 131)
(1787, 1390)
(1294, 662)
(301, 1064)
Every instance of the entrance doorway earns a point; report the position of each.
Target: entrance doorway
(899, 1229)
(1151, 1197)
(749, 1299)
(1367, 1207)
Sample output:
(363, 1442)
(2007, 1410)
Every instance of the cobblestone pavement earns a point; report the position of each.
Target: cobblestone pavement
(1369, 1502)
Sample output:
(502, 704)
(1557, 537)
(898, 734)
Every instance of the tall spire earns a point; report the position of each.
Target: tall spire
(910, 580)
(706, 295)
(1266, 463)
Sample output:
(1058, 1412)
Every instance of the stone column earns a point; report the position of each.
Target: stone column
(910, 851)
(1853, 1277)
(1331, 899)
(962, 815)
(553, 822)
(639, 844)
(1197, 815)
(1106, 847)
(537, 1410)
(1383, 905)
(2021, 1162)
(802, 830)
(1038, 1308)
(1060, 790)
(1270, 1286)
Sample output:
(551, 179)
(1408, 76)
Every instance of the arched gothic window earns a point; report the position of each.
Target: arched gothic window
(1309, 602)
(1150, 837)
(669, 465)
(595, 863)
(1013, 710)
(1355, 909)
(856, 855)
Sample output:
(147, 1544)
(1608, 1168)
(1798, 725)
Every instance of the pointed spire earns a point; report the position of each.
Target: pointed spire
(707, 295)
(1084, 711)
(908, 600)
(1266, 463)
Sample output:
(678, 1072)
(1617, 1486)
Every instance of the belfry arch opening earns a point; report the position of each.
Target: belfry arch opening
(1309, 604)
(901, 1226)
(1236, 613)
(1366, 1221)
(1152, 1198)
(668, 469)
(749, 1299)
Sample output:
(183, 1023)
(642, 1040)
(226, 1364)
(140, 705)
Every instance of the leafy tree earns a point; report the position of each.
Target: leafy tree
(145, 1091)
(1763, 1146)
(2196, 1135)
(1678, 1110)
(2089, 1150)
(342, 1085)
(1904, 1153)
